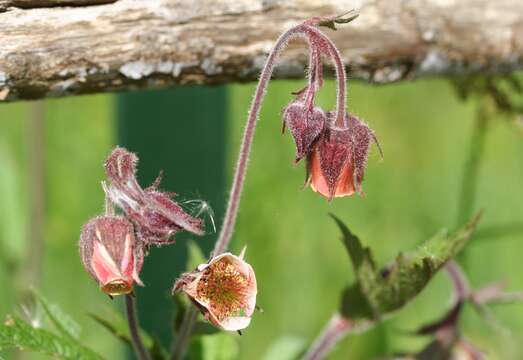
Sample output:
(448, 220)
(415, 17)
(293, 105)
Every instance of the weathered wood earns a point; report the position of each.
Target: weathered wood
(145, 43)
(31, 4)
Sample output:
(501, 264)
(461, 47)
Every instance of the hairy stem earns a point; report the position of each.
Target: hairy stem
(335, 330)
(241, 167)
(341, 79)
(231, 213)
(312, 34)
(132, 319)
(314, 77)
(248, 134)
(341, 76)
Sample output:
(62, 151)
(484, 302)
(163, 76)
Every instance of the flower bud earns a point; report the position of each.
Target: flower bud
(224, 290)
(337, 164)
(305, 124)
(156, 216)
(110, 254)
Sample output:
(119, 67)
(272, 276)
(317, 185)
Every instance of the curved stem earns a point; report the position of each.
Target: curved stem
(132, 319)
(314, 64)
(248, 134)
(341, 76)
(335, 330)
(459, 280)
(241, 168)
(231, 213)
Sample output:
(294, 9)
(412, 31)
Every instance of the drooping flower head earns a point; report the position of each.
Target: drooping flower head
(156, 216)
(111, 255)
(305, 124)
(224, 290)
(336, 166)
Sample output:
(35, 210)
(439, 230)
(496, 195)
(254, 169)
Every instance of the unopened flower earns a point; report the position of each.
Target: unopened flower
(111, 255)
(336, 166)
(224, 290)
(156, 216)
(305, 124)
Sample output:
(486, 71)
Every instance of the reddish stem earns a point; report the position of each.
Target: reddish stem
(459, 280)
(134, 329)
(315, 37)
(314, 64)
(341, 76)
(241, 168)
(335, 330)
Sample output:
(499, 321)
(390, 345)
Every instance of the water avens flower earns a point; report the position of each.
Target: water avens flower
(156, 216)
(336, 166)
(305, 124)
(111, 254)
(224, 290)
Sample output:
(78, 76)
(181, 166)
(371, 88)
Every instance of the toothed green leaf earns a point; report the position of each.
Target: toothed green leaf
(16, 333)
(380, 292)
(61, 321)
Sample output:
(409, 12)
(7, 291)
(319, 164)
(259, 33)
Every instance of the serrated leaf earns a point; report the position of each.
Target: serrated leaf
(285, 348)
(60, 320)
(16, 333)
(377, 293)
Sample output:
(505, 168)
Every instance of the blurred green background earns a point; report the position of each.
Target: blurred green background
(301, 266)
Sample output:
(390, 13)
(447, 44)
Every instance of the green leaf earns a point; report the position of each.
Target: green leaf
(285, 348)
(157, 351)
(341, 19)
(221, 346)
(204, 328)
(377, 293)
(61, 321)
(195, 255)
(117, 325)
(16, 333)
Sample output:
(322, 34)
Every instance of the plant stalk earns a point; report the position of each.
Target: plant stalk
(224, 238)
(248, 135)
(335, 330)
(132, 319)
(469, 181)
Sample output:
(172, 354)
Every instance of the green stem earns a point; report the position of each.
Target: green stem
(469, 181)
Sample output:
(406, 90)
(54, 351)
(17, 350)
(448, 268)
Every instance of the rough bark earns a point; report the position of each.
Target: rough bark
(31, 4)
(143, 43)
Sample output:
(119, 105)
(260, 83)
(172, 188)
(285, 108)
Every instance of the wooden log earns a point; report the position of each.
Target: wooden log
(31, 4)
(142, 43)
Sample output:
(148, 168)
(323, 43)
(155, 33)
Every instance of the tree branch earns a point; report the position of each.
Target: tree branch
(31, 4)
(141, 43)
